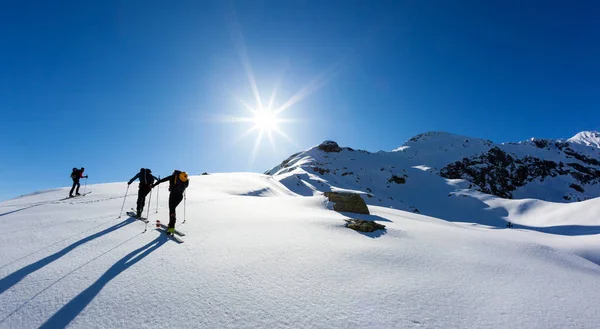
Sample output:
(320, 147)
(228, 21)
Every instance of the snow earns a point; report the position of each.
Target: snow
(589, 138)
(258, 254)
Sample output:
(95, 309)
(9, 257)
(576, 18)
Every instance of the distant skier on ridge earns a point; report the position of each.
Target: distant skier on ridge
(178, 182)
(76, 175)
(146, 180)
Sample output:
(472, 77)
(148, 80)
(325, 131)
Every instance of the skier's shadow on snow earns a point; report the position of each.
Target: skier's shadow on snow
(69, 311)
(20, 209)
(14, 278)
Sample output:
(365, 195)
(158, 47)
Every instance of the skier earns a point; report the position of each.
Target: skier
(76, 175)
(146, 180)
(178, 182)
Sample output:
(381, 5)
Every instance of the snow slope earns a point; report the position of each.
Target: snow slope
(257, 255)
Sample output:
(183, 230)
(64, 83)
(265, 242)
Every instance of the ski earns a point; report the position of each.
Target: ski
(171, 236)
(133, 214)
(75, 196)
(176, 232)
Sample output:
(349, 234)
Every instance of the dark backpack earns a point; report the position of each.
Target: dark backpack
(75, 174)
(176, 184)
(146, 177)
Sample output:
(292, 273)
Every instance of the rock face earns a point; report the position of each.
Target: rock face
(330, 147)
(347, 202)
(499, 173)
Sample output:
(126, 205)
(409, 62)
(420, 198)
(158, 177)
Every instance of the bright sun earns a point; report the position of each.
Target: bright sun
(265, 120)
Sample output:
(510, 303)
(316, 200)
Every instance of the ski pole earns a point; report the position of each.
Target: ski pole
(184, 202)
(149, 200)
(148, 212)
(85, 186)
(157, 195)
(125, 198)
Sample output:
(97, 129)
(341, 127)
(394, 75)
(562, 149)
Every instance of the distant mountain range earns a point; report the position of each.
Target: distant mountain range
(564, 170)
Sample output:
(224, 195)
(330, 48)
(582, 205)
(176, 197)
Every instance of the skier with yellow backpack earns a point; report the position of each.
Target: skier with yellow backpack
(178, 182)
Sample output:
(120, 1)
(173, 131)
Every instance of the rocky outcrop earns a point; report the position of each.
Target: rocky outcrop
(363, 225)
(330, 147)
(499, 173)
(347, 202)
(397, 179)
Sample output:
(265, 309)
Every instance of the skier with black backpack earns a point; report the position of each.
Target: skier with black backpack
(76, 175)
(178, 182)
(146, 180)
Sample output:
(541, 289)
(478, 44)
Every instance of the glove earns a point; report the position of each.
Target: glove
(85, 176)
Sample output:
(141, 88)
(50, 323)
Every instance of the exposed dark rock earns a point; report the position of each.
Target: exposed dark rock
(320, 170)
(397, 180)
(576, 187)
(363, 225)
(330, 146)
(347, 202)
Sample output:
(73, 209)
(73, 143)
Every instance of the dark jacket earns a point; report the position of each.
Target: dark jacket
(143, 177)
(175, 184)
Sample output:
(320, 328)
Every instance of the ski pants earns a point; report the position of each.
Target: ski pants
(174, 200)
(141, 200)
(75, 183)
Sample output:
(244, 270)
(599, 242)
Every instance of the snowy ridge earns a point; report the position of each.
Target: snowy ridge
(437, 149)
(588, 138)
(257, 255)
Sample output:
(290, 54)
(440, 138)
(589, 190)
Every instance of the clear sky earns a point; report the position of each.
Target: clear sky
(118, 85)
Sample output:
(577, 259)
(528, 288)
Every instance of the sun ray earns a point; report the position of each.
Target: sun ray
(270, 135)
(314, 85)
(240, 44)
(276, 87)
(248, 132)
(232, 119)
(246, 105)
(272, 99)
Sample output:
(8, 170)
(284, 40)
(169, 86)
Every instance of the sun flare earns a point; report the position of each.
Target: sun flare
(265, 120)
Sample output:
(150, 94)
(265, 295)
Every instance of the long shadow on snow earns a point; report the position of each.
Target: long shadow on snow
(69, 311)
(14, 278)
(21, 209)
(373, 218)
(571, 230)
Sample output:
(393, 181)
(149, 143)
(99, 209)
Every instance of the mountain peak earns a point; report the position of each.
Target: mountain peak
(589, 138)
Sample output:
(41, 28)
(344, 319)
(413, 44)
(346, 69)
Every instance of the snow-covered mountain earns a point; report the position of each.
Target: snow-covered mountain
(258, 255)
(588, 138)
(440, 166)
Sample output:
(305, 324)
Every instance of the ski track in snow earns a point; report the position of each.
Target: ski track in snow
(258, 255)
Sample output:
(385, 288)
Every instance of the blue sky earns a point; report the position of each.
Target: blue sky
(118, 85)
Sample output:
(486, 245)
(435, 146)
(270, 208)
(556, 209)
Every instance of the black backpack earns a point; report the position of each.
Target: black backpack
(75, 174)
(176, 184)
(146, 177)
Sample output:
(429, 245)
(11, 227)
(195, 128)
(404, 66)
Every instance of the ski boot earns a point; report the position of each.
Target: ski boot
(171, 231)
